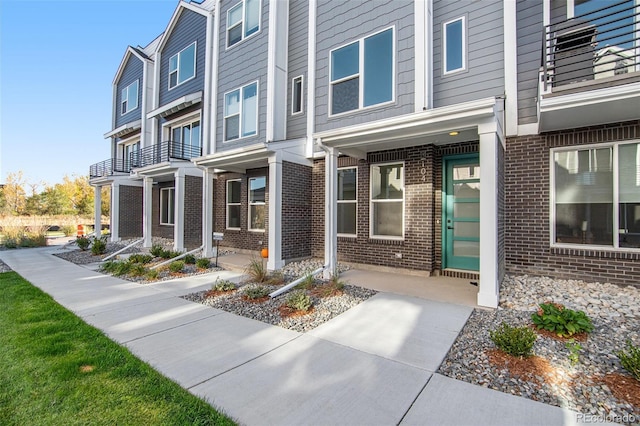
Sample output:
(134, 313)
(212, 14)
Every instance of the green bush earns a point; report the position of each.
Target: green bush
(140, 258)
(152, 274)
(564, 322)
(298, 300)
(203, 263)
(190, 259)
(516, 341)
(156, 250)
(307, 283)
(117, 267)
(630, 359)
(99, 246)
(83, 242)
(176, 266)
(10, 243)
(68, 230)
(223, 285)
(137, 270)
(256, 292)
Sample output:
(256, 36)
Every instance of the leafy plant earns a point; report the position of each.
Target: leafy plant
(256, 292)
(203, 263)
(156, 250)
(99, 246)
(298, 300)
(516, 341)
(83, 242)
(257, 271)
(152, 274)
(223, 285)
(140, 258)
(574, 351)
(190, 259)
(137, 270)
(176, 266)
(117, 267)
(630, 359)
(10, 243)
(564, 322)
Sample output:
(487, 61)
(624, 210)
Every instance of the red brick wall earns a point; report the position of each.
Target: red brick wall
(296, 210)
(192, 211)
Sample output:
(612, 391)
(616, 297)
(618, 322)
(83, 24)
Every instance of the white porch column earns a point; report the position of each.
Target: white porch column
(207, 212)
(114, 212)
(330, 211)
(178, 209)
(147, 212)
(97, 209)
(275, 212)
(489, 286)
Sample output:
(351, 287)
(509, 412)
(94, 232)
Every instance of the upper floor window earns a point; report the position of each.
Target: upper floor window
(129, 98)
(241, 112)
(296, 95)
(167, 213)
(243, 19)
(185, 140)
(257, 198)
(347, 201)
(454, 45)
(387, 201)
(182, 66)
(362, 73)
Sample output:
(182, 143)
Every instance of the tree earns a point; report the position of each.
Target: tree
(14, 196)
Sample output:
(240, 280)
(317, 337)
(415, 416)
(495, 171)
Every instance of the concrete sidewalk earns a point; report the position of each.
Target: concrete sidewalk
(374, 364)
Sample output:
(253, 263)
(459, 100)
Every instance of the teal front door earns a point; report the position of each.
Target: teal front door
(461, 213)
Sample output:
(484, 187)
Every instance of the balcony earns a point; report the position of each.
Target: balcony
(164, 152)
(109, 167)
(590, 70)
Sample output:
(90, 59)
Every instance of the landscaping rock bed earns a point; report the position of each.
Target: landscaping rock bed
(4, 267)
(615, 312)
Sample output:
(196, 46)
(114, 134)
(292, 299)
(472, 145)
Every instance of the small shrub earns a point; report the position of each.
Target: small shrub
(99, 246)
(298, 300)
(108, 266)
(335, 281)
(140, 258)
(156, 250)
(68, 230)
(555, 318)
(630, 359)
(176, 266)
(152, 274)
(574, 351)
(257, 271)
(516, 341)
(83, 242)
(203, 263)
(256, 292)
(275, 278)
(117, 267)
(137, 270)
(223, 285)
(10, 243)
(190, 259)
(307, 283)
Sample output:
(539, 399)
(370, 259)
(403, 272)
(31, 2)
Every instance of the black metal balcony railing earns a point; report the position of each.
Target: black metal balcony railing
(595, 45)
(109, 167)
(164, 151)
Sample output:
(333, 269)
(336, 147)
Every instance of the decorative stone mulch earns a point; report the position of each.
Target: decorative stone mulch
(4, 267)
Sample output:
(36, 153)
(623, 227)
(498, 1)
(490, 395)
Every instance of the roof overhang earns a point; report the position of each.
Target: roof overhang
(434, 126)
(590, 107)
(237, 160)
(130, 51)
(120, 178)
(166, 170)
(124, 130)
(177, 105)
(203, 9)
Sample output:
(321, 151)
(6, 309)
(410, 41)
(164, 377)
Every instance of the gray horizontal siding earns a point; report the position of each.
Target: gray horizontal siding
(298, 53)
(133, 70)
(558, 11)
(190, 27)
(484, 76)
(339, 23)
(529, 38)
(242, 64)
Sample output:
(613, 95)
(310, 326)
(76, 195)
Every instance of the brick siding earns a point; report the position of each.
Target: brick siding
(192, 212)
(296, 210)
(130, 212)
(163, 231)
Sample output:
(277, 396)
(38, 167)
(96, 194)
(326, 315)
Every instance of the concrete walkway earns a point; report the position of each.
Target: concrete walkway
(373, 365)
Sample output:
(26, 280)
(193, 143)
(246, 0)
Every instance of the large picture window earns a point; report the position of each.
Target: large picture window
(233, 203)
(257, 193)
(185, 140)
(182, 66)
(243, 19)
(454, 45)
(362, 73)
(347, 201)
(167, 205)
(241, 112)
(129, 98)
(596, 195)
(387, 201)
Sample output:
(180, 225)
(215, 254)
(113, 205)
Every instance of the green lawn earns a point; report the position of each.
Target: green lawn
(57, 370)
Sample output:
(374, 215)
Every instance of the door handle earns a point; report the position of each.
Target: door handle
(449, 227)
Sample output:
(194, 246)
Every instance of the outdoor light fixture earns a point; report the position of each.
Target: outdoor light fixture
(454, 133)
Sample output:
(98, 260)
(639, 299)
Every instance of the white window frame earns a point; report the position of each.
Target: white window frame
(125, 96)
(616, 198)
(462, 18)
(372, 201)
(294, 81)
(171, 191)
(360, 73)
(349, 202)
(240, 113)
(254, 203)
(177, 70)
(227, 203)
(242, 23)
(122, 149)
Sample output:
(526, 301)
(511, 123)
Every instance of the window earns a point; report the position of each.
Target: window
(243, 20)
(596, 196)
(347, 201)
(241, 112)
(129, 98)
(130, 156)
(387, 200)
(185, 140)
(454, 42)
(257, 187)
(167, 196)
(362, 73)
(296, 96)
(182, 66)
(233, 204)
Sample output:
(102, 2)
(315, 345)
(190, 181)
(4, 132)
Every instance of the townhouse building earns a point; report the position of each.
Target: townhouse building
(468, 139)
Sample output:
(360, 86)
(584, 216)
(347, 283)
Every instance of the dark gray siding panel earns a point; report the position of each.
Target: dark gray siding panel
(558, 11)
(242, 64)
(484, 76)
(133, 70)
(339, 23)
(298, 43)
(529, 37)
(190, 27)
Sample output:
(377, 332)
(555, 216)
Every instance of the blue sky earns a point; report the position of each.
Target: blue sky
(57, 63)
